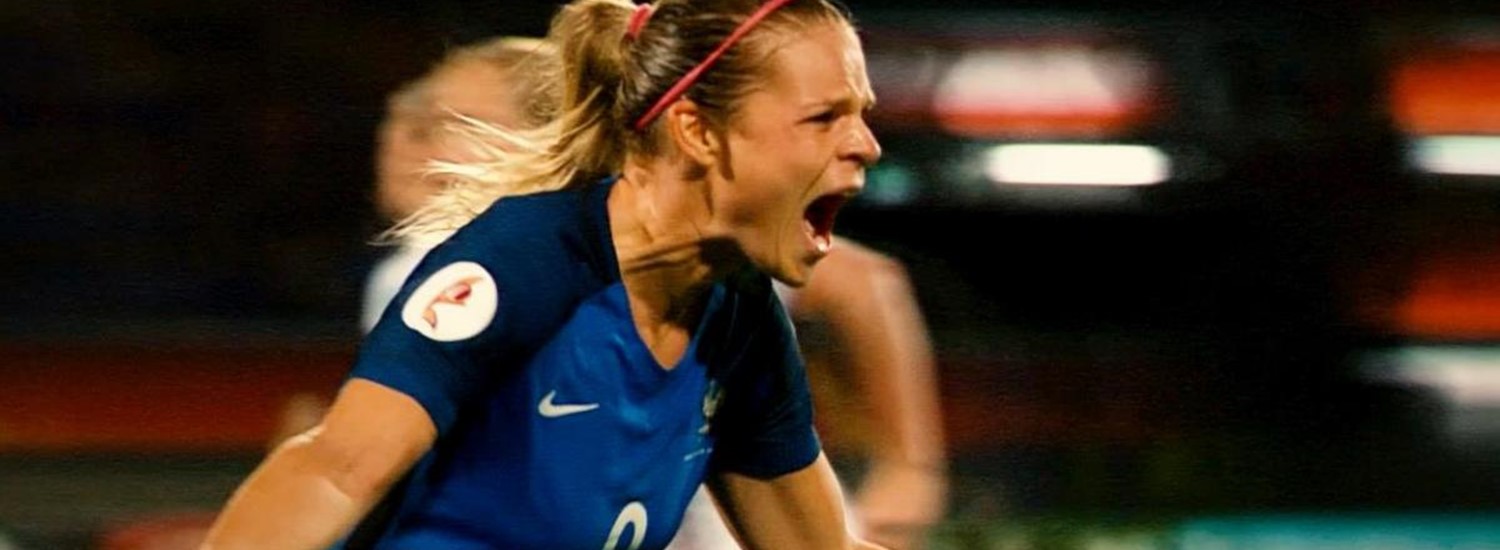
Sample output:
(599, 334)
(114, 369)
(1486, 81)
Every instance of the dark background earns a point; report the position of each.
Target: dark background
(186, 188)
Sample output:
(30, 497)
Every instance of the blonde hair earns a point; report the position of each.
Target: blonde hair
(524, 61)
(601, 83)
(521, 59)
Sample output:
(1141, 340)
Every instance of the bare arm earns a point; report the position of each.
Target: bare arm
(316, 486)
(802, 509)
(867, 301)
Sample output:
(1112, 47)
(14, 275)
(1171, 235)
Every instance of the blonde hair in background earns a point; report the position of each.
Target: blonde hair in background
(595, 82)
(526, 65)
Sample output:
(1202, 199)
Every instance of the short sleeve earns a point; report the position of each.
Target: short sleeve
(473, 310)
(768, 428)
(440, 336)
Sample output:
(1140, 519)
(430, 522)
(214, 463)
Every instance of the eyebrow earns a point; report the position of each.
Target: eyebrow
(867, 99)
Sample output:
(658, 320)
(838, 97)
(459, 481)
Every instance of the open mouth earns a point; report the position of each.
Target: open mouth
(819, 218)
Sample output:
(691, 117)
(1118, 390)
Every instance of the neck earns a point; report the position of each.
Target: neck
(668, 260)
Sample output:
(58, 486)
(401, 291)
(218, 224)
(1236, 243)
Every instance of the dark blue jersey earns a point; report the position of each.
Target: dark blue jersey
(557, 428)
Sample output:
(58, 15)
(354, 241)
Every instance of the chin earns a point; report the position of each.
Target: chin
(794, 281)
(794, 274)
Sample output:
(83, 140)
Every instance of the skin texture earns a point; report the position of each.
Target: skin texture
(791, 511)
(314, 487)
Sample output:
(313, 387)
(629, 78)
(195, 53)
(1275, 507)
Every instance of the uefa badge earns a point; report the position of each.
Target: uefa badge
(454, 303)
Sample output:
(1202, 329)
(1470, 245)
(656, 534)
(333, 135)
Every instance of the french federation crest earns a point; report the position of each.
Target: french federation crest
(711, 398)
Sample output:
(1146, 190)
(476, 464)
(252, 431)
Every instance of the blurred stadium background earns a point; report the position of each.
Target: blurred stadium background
(1201, 274)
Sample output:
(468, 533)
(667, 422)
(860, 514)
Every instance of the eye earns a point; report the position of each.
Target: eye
(824, 117)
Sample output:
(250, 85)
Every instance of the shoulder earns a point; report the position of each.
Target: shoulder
(760, 319)
(523, 218)
(753, 295)
(539, 254)
(534, 237)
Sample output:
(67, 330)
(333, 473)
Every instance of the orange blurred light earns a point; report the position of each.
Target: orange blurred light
(1448, 91)
(1456, 296)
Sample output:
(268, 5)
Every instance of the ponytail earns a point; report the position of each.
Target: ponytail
(580, 144)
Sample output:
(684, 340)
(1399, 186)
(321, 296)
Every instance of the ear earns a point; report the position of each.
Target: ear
(692, 132)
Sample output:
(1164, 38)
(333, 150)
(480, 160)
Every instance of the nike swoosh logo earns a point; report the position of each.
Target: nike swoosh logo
(552, 410)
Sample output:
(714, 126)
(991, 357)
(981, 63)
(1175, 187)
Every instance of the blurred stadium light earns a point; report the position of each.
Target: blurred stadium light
(1458, 155)
(1443, 88)
(1051, 111)
(1077, 164)
(1062, 88)
(1464, 378)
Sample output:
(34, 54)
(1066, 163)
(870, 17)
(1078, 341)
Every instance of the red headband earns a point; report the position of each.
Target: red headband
(638, 20)
(692, 76)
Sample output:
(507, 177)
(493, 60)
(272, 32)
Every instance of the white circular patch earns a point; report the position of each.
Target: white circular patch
(456, 302)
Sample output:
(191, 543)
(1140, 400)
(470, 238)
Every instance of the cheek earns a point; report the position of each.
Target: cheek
(773, 171)
(771, 192)
(401, 164)
(396, 146)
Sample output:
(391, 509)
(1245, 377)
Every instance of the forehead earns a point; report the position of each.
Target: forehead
(474, 88)
(823, 63)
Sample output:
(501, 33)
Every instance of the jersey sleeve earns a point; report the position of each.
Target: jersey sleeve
(767, 430)
(470, 313)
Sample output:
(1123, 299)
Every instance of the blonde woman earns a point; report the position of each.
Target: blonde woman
(596, 334)
(860, 299)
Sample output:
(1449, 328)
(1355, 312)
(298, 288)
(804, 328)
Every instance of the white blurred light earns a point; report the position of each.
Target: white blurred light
(1458, 155)
(1077, 164)
(1065, 79)
(1463, 376)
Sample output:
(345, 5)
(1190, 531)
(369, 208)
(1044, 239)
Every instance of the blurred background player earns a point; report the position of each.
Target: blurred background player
(494, 81)
(858, 309)
(483, 81)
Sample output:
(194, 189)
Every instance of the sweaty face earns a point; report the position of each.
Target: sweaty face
(796, 151)
(414, 133)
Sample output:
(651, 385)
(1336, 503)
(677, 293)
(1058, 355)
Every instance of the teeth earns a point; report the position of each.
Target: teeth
(822, 242)
(818, 222)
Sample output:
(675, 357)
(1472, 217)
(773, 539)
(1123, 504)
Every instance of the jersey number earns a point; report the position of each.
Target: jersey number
(633, 515)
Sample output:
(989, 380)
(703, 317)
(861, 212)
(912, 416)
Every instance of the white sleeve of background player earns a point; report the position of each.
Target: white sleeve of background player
(385, 281)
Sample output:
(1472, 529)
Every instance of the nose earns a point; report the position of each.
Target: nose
(861, 144)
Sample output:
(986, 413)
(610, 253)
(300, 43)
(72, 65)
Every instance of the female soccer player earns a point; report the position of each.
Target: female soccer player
(859, 297)
(576, 357)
